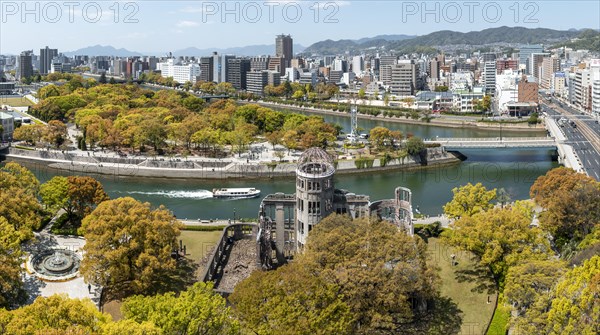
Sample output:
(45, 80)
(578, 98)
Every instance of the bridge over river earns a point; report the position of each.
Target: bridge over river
(495, 142)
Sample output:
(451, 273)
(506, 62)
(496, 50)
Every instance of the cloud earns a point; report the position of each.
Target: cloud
(187, 24)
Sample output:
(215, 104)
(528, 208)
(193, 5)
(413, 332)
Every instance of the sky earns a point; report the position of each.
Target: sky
(154, 26)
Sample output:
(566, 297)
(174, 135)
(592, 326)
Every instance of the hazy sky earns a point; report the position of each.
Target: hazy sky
(158, 26)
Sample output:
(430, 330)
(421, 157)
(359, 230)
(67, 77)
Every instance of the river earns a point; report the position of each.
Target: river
(515, 170)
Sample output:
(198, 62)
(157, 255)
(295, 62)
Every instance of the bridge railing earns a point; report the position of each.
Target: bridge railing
(492, 139)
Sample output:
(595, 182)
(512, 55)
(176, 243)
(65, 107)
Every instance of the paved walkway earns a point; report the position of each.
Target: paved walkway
(431, 219)
(75, 288)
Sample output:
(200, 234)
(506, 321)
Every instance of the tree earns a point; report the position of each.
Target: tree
(414, 146)
(56, 133)
(54, 315)
(441, 88)
(502, 197)
(18, 200)
(196, 311)
(500, 238)
(527, 281)
(31, 134)
(11, 286)
(469, 200)
(362, 94)
(130, 327)
(381, 137)
(571, 203)
(293, 300)
(572, 307)
(112, 81)
(381, 272)
(128, 248)
(102, 79)
(77, 196)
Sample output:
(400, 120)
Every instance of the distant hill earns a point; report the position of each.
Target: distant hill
(588, 39)
(511, 35)
(101, 50)
(385, 38)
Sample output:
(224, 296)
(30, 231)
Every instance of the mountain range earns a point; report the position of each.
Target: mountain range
(500, 35)
(398, 43)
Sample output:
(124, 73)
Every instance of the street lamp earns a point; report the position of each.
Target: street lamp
(234, 216)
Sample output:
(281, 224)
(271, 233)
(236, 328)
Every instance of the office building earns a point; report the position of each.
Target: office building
(256, 81)
(284, 48)
(8, 126)
(488, 76)
(525, 53)
(550, 65)
(385, 68)
(46, 57)
(237, 68)
(358, 65)
(206, 69)
(24, 66)
(506, 64)
(180, 73)
(259, 63)
(403, 78)
(277, 64)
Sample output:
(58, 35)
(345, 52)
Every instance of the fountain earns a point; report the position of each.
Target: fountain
(54, 264)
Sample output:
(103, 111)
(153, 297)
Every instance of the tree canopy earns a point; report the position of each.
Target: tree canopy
(369, 267)
(468, 200)
(128, 248)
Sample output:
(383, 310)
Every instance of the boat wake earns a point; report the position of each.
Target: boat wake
(199, 194)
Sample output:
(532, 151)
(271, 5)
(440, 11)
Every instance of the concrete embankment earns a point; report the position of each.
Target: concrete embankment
(196, 169)
(437, 122)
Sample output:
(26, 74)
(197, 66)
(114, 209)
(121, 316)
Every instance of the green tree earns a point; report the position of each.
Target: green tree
(293, 301)
(128, 248)
(102, 79)
(414, 146)
(527, 281)
(196, 311)
(56, 133)
(468, 200)
(54, 315)
(571, 308)
(500, 238)
(11, 286)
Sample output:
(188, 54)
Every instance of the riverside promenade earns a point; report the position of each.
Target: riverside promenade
(260, 161)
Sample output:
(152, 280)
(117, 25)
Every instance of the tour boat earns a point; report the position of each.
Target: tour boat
(235, 192)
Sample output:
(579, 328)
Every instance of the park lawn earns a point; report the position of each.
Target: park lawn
(199, 243)
(473, 302)
(15, 102)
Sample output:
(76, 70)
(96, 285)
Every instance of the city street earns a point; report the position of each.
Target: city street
(584, 143)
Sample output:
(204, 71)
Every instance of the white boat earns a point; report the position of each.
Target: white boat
(235, 192)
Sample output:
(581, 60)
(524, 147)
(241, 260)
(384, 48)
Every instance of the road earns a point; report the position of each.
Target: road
(584, 137)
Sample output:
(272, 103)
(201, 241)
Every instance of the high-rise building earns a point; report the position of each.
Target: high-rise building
(525, 54)
(206, 69)
(434, 69)
(358, 65)
(237, 68)
(259, 63)
(46, 56)
(535, 65)
(385, 68)
(489, 77)
(404, 78)
(284, 48)
(256, 81)
(550, 65)
(488, 57)
(179, 72)
(277, 64)
(24, 66)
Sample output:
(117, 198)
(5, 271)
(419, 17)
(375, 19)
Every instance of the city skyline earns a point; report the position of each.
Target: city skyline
(155, 27)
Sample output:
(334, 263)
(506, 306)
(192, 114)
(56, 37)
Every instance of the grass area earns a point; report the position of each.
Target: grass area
(15, 102)
(203, 228)
(198, 243)
(464, 285)
(500, 321)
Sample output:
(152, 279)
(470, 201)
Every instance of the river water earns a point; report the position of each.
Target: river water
(513, 169)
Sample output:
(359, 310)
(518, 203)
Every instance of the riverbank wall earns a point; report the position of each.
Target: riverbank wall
(198, 169)
(446, 123)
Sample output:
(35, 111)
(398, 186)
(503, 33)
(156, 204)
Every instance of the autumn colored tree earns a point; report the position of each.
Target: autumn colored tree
(527, 281)
(381, 137)
(11, 291)
(78, 196)
(31, 134)
(54, 315)
(468, 200)
(196, 311)
(128, 248)
(55, 133)
(571, 203)
(500, 238)
(18, 200)
(293, 300)
(572, 307)
(129, 327)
